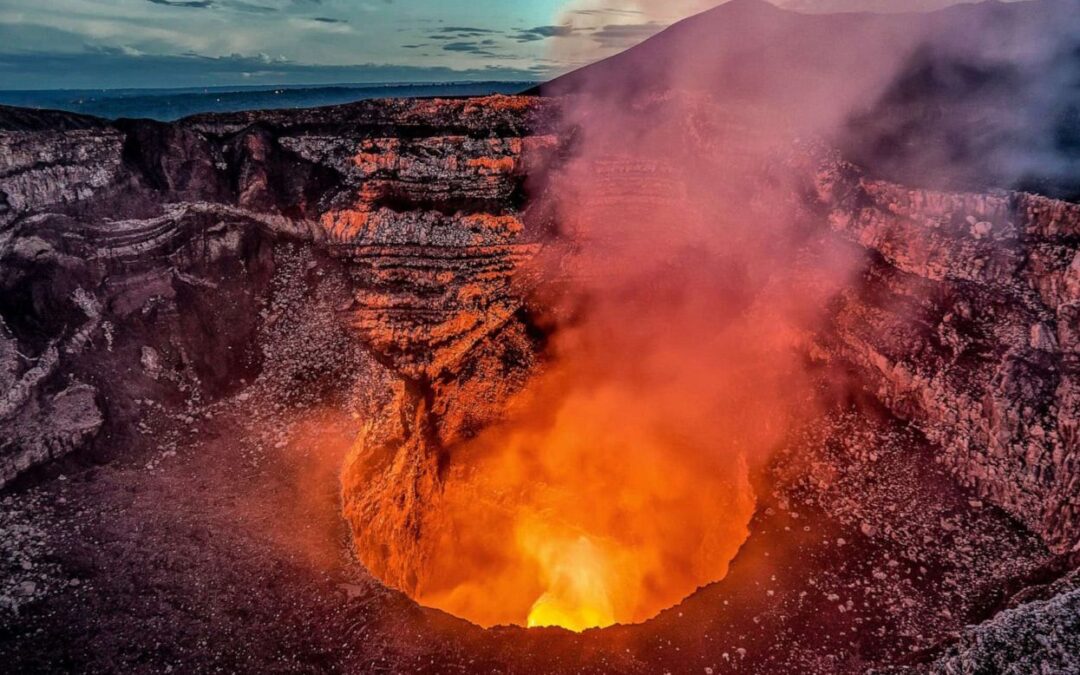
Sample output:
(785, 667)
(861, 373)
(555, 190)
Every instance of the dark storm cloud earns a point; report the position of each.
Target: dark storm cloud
(327, 19)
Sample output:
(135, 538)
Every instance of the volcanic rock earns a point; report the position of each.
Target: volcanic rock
(963, 323)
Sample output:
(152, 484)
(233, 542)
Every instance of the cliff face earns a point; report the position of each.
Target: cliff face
(965, 322)
(170, 230)
(138, 235)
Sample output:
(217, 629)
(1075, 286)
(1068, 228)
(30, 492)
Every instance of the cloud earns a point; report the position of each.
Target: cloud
(469, 48)
(119, 67)
(323, 24)
(195, 4)
(466, 31)
(543, 32)
(323, 32)
(240, 6)
(609, 11)
(625, 35)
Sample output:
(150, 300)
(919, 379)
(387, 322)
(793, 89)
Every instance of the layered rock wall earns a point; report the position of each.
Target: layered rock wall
(169, 229)
(434, 239)
(965, 322)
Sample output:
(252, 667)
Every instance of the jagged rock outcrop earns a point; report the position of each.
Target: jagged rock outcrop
(1038, 633)
(48, 427)
(170, 229)
(434, 241)
(38, 424)
(965, 322)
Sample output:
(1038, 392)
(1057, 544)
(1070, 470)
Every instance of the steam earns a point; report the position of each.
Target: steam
(688, 270)
(972, 97)
(587, 16)
(990, 98)
(621, 480)
(697, 267)
(677, 304)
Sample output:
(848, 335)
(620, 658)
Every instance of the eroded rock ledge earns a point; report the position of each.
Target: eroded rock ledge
(169, 229)
(965, 322)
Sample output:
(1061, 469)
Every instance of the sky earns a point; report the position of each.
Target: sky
(84, 44)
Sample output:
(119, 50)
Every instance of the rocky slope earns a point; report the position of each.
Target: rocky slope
(143, 231)
(965, 322)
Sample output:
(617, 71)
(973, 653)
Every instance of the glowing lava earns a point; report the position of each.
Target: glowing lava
(579, 579)
(581, 516)
(612, 479)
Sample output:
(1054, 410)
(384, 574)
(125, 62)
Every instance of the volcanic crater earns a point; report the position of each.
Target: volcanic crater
(672, 371)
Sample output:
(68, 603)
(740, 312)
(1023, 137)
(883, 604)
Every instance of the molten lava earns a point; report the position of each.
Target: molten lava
(584, 510)
(578, 577)
(613, 479)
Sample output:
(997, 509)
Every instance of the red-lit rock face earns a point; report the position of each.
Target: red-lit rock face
(965, 323)
(433, 243)
(436, 298)
(498, 493)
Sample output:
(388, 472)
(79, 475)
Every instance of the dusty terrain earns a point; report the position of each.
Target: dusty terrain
(215, 543)
(165, 561)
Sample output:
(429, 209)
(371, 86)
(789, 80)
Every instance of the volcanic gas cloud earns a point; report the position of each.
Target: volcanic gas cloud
(682, 266)
(619, 481)
(620, 478)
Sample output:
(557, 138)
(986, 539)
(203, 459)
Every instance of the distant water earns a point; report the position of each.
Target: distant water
(171, 104)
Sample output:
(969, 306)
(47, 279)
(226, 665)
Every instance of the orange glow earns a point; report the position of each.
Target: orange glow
(579, 582)
(582, 514)
(617, 480)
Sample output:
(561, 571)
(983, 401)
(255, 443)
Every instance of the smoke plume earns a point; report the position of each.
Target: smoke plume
(688, 268)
